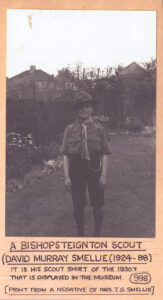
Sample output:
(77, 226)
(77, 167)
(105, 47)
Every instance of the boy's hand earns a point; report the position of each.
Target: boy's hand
(68, 183)
(103, 182)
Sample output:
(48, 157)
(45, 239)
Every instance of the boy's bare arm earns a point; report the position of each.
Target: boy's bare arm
(66, 166)
(104, 171)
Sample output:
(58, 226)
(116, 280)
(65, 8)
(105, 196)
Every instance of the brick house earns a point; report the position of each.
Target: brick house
(30, 84)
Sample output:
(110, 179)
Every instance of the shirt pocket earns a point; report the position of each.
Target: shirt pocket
(74, 145)
(94, 144)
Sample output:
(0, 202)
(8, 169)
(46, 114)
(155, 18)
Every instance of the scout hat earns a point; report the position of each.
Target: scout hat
(82, 97)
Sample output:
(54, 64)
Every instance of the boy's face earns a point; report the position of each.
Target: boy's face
(84, 111)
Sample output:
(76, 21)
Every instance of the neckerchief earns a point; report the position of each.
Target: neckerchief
(84, 145)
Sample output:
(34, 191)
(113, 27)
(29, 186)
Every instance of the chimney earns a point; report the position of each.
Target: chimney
(32, 68)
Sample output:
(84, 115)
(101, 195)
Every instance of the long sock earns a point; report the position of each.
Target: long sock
(98, 219)
(79, 219)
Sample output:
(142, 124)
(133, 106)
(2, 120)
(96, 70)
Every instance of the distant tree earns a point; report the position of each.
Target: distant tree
(149, 90)
(65, 73)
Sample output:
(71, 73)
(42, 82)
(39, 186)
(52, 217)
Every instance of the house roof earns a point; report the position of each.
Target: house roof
(35, 75)
(132, 69)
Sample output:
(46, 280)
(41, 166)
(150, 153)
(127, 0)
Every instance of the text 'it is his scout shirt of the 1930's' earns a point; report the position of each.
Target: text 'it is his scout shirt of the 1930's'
(97, 139)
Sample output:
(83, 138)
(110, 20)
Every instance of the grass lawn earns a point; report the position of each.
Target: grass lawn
(45, 209)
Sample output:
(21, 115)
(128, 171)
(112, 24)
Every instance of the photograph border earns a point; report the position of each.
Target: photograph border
(153, 245)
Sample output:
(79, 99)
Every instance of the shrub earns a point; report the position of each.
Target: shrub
(18, 162)
(45, 152)
(21, 158)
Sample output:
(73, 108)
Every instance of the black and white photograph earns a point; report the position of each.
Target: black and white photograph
(80, 123)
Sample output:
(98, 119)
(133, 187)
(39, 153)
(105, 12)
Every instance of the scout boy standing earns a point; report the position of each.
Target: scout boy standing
(85, 158)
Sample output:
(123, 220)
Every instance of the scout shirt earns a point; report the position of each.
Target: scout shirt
(97, 139)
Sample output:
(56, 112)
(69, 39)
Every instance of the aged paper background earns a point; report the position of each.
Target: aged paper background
(154, 245)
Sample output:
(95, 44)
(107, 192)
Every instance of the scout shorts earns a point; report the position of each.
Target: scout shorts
(84, 173)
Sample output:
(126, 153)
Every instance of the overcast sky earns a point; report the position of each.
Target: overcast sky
(51, 39)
